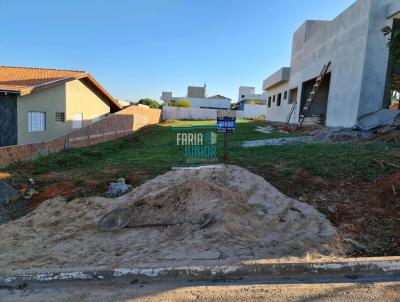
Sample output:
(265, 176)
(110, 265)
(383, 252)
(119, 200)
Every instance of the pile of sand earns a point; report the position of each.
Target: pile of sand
(251, 220)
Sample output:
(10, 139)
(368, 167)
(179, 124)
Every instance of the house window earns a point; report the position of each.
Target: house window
(269, 102)
(278, 103)
(60, 117)
(273, 99)
(36, 121)
(285, 95)
(77, 119)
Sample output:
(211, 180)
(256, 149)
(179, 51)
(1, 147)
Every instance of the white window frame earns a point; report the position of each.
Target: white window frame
(36, 121)
(77, 120)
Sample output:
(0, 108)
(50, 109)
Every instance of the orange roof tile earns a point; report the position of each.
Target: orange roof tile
(25, 80)
(19, 78)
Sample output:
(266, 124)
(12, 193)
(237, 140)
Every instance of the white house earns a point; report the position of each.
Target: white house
(360, 82)
(247, 95)
(197, 96)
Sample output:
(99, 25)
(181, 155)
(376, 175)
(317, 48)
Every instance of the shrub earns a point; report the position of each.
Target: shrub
(393, 45)
(181, 103)
(151, 103)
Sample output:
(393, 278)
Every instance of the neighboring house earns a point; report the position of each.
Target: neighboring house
(360, 78)
(247, 95)
(38, 104)
(197, 96)
(124, 103)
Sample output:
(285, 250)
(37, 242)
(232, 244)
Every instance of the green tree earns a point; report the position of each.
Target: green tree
(393, 46)
(183, 103)
(151, 103)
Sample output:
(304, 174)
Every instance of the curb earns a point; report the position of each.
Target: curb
(251, 270)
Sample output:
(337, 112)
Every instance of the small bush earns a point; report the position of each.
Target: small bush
(151, 103)
(183, 103)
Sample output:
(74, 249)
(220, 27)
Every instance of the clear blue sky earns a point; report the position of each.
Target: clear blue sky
(138, 48)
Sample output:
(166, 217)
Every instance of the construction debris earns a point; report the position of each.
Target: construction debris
(381, 118)
(183, 215)
(324, 135)
(387, 134)
(277, 141)
(339, 134)
(29, 192)
(269, 129)
(117, 189)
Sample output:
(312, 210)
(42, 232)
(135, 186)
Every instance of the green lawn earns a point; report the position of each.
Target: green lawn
(152, 150)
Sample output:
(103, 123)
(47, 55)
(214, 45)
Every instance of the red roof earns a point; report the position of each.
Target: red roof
(26, 80)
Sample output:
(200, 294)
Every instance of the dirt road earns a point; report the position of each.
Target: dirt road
(123, 290)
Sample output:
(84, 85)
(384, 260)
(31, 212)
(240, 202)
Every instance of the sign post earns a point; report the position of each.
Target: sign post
(226, 123)
(225, 146)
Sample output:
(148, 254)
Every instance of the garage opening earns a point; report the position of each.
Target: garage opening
(392, 91)
(317, 113)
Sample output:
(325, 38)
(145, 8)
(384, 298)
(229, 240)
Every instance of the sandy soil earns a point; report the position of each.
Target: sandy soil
(251, 220)
(122, 290)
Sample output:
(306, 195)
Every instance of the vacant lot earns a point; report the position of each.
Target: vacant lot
(356, 185)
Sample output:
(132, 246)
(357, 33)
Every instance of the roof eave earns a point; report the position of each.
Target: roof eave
(112, 102)
(105, 92)
(46, 85)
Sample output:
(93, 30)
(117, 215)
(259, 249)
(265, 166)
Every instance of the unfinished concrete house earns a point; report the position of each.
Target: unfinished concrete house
(358, 87)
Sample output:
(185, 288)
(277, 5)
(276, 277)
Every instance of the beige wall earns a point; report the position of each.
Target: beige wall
(50, 100)
(81, 99)
(70, 97)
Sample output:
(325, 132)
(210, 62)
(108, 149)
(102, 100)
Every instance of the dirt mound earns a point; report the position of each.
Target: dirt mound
(251, 220)
(64, 189)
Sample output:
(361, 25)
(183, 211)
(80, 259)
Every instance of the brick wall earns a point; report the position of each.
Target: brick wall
(109, 128)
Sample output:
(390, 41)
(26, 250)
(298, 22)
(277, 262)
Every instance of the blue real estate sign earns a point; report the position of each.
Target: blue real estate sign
(226, 121)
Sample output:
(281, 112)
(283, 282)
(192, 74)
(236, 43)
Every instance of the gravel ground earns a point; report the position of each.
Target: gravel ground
(14, 210)
(123, 290)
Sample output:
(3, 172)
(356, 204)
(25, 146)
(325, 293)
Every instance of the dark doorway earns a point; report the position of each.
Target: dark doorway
(292, 96)
(8, 120)
(317, 112)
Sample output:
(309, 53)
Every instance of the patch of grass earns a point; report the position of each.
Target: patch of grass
(22, 285)
(329, 161)
(152, 151)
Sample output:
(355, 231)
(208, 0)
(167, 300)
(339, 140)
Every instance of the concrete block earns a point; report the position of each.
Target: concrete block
(381, 118)
(369, 122)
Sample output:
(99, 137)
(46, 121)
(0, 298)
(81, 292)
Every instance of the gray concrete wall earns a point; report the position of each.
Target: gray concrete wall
(278, 78)
(343, 42)
(8, 120)
(355, 45)
(376, 60)
(196, 92)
